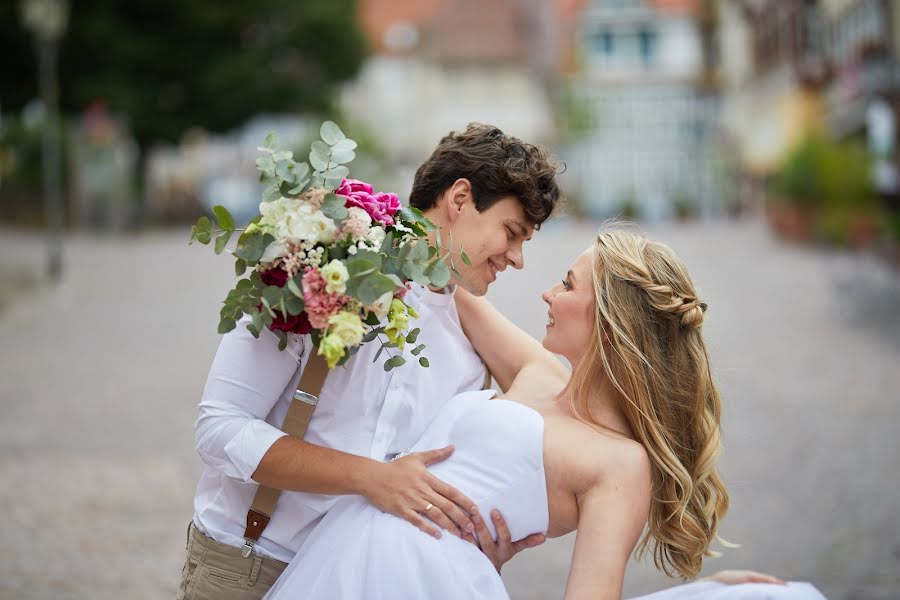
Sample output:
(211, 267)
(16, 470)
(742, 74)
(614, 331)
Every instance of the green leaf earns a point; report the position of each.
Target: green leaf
(342, 157)
(439, 275)
(372, 287)
(331, 133)
(419, 252)
(271, 141)
(465, 258)
(344, 144)
(250, 247)
(412, 335)
(423, 361)
(394, 362)
(240, 265)
(418, 349)
(226, 324)
(333, 207)
(222, 240)
(202, 231)
(372, 334)
(319, 155)
(293, 305)
(294, 287)
(285, 170)
(226, 223)
(380, 350)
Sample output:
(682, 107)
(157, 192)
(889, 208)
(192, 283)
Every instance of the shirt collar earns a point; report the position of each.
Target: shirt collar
(426, 296)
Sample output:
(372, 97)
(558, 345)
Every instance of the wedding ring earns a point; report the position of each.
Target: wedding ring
(429, 507)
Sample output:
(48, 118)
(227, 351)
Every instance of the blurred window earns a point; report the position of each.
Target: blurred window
(647, 39)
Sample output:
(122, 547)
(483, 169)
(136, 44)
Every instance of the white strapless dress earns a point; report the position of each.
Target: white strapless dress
(357, 551)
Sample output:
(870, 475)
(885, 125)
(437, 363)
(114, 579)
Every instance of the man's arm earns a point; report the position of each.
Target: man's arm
(505, 348)
(247, 377)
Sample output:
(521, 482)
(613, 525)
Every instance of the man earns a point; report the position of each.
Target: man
(490, 192)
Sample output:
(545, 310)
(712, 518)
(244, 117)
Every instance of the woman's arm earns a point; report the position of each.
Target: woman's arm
(502, 345)
(611, 517)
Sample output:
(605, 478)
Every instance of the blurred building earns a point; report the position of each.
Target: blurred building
(643, 83)
(791, 67)
(437, 65)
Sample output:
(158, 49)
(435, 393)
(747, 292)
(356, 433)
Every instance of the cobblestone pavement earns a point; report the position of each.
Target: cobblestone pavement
(100, 376)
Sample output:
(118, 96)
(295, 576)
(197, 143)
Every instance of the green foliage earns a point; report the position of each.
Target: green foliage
(173, 65)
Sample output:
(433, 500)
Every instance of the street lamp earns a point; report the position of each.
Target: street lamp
(46, 20)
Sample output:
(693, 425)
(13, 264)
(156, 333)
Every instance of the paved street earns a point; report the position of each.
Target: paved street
(99, 380)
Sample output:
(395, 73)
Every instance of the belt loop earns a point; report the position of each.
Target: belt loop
(254, 571)
(187, 544)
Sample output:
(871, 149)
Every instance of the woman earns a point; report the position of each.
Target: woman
(626, 445)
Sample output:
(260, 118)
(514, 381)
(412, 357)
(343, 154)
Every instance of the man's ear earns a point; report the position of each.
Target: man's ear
(458, 195)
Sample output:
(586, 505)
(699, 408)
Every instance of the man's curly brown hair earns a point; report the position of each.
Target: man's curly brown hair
(497, 165)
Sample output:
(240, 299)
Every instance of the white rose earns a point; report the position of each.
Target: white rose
(376, 236)
(274, 250)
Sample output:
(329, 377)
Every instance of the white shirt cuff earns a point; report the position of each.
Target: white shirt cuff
(247, 448)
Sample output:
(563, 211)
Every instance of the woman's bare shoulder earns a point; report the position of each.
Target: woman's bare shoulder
(602, 458)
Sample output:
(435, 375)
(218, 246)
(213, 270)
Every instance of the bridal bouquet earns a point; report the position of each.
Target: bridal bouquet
(328, 255)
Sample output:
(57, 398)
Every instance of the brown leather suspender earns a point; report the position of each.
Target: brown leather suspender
(295, 423)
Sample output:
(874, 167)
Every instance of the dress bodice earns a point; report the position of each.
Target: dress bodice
(498, 459)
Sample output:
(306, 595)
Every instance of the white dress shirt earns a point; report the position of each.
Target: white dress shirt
(362, 410)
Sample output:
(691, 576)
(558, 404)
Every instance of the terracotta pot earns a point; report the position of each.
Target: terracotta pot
(791, 222)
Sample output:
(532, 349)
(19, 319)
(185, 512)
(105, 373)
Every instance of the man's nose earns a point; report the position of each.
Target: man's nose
(515, 257)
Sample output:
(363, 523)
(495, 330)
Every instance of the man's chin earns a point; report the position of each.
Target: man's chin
(476, 288)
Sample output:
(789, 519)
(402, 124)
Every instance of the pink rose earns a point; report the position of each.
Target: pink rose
(381, 206)
(320, 305)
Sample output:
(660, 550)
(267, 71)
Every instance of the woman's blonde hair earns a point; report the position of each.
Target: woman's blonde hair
(648, 344)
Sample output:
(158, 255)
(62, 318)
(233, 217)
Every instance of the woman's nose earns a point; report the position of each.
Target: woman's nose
(546, 296)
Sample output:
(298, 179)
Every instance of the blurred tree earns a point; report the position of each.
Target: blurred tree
(169, 65)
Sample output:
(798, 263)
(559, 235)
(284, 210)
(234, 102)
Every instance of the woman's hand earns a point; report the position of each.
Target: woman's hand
(737, 576)
(501, 550)
(405, 489)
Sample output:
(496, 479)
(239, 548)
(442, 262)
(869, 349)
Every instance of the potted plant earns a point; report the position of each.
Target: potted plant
(797, 190)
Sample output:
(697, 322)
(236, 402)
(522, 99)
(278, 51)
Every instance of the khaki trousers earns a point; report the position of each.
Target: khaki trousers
(215, 571)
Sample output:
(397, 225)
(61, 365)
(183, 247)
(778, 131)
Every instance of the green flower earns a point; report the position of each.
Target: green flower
(332, 348)
(336, 276)
(347, 327)
(398, 321)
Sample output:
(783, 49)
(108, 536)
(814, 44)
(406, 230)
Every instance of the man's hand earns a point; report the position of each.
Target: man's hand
(502, 549)
(405, 489)
(736, 576)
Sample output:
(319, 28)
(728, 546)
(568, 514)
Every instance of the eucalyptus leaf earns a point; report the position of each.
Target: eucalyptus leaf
(226, 325)
(319, 155)
(282, 340)
(331, 133)
(418, 349)
(412, 335)
(342, 157)
(372, 335)
(344, 144)
(423, 361)
(250, 247)
(439, 275)
(465, 258)
(226, 222)
(333, 207)
(240, 265)
(222, 241)
(285, 170)
(372, 287)
(294, 288)
(271, 141)
(394, 362)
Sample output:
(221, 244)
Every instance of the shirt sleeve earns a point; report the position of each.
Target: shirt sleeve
(246, 380)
